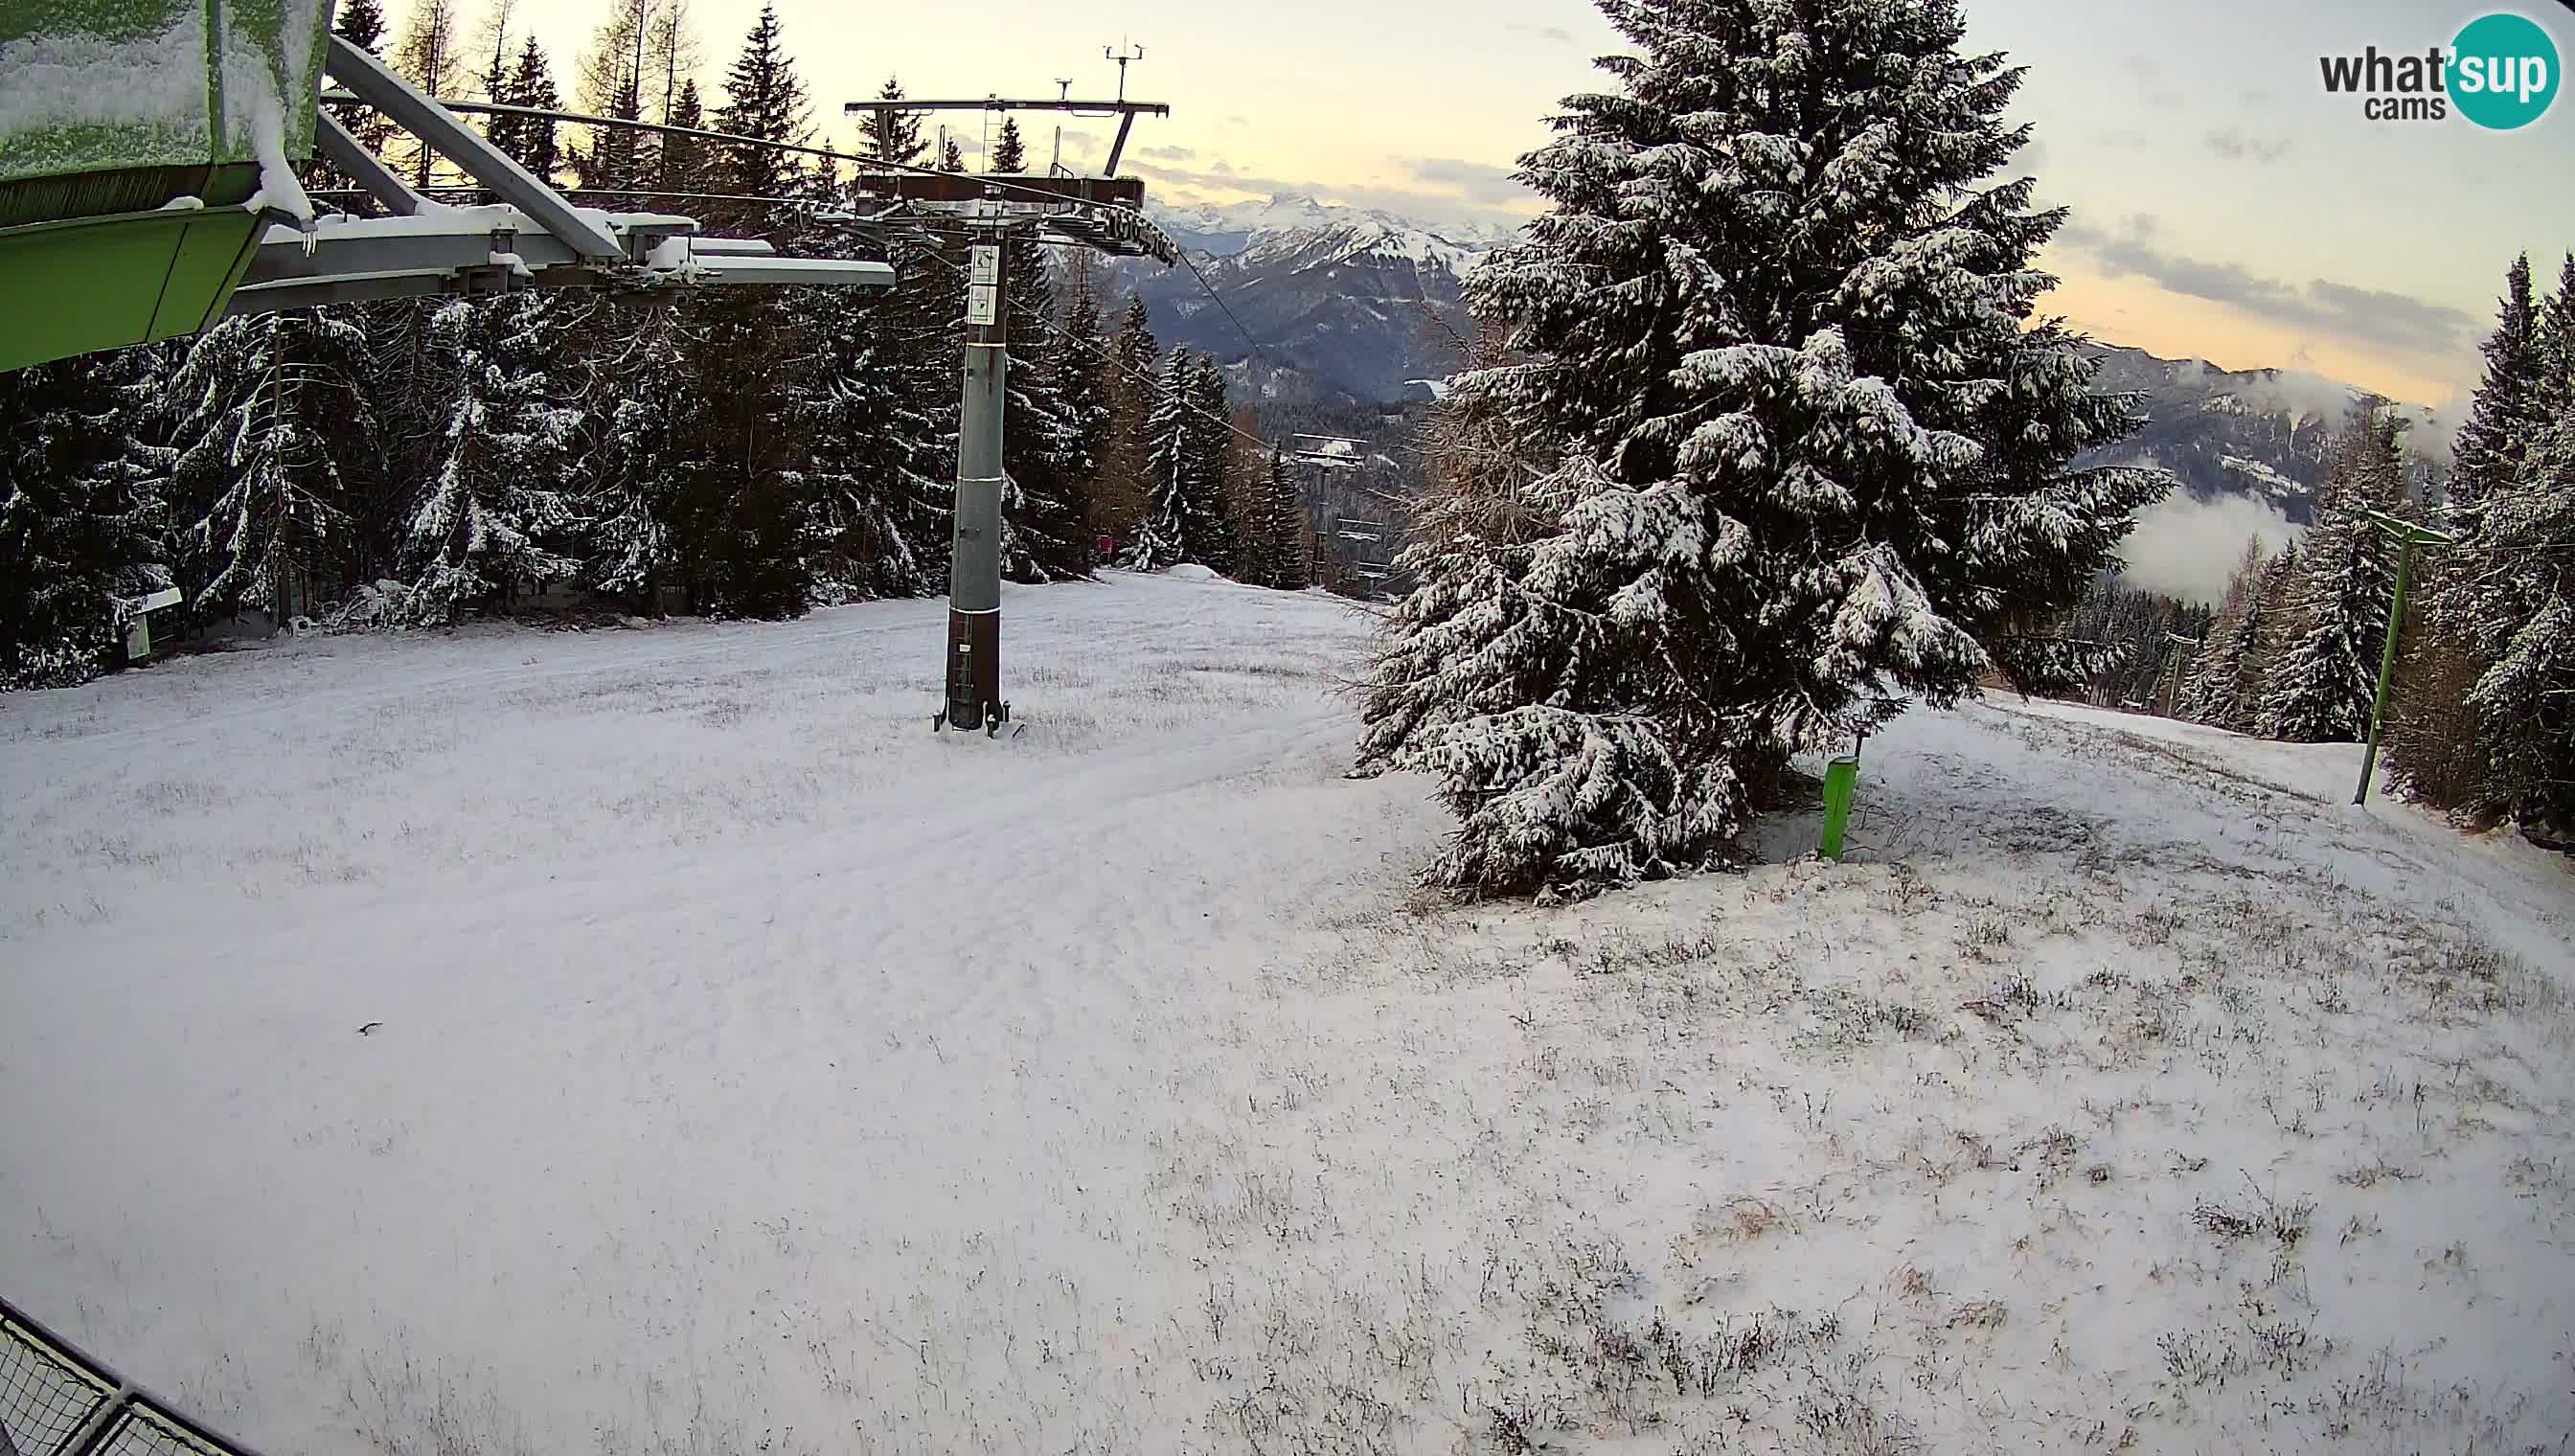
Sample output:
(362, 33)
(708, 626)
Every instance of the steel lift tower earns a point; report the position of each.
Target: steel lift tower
(1104, 213)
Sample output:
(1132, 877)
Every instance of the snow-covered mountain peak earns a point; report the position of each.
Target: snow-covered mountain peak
(1301, 226)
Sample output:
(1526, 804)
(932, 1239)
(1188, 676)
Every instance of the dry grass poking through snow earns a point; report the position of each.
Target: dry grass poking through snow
(2118, 1095)
(2130, 1143)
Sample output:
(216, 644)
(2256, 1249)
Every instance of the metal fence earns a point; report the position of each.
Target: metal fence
(57, 1401)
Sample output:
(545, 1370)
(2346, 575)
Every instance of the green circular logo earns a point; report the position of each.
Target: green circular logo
(2503, 71)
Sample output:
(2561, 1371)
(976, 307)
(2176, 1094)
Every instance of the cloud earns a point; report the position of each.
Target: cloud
(1476, 181)
(2149, 77)
(2186, 547)
(2362, 315)
(1169, 154)
(2300, 391)
(2237, 146)
(1436, 190)
(1556, 33)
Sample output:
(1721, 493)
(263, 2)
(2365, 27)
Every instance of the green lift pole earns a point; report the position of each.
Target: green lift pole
(2407, 536)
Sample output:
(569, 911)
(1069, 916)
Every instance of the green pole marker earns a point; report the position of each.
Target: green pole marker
(2407, 536)
(2386, 670)
(1842, 776)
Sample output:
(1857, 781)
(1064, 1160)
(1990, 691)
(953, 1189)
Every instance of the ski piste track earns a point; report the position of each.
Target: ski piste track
(730, 1040)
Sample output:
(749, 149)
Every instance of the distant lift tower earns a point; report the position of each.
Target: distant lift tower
(1104, 213)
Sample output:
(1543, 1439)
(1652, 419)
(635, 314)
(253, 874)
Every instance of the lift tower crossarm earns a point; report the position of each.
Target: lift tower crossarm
(376, 179)
(1126, 111)
(634, 124)
(1000, 103)
(497, 170)
(918, 184)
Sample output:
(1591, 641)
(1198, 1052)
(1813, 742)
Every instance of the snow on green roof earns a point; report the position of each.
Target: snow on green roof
(102, 84)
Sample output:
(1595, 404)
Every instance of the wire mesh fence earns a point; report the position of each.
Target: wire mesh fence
(57, 1401)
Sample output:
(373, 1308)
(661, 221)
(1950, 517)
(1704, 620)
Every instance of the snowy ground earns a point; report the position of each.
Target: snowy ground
(757, 1072)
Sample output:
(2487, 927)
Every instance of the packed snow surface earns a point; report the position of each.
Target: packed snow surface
(745, 1069)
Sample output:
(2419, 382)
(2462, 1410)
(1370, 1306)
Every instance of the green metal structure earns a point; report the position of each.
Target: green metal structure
(1841, 780)
(2407, 536)
(145, 145)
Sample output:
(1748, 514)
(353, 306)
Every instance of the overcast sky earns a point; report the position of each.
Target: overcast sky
(2224, 206)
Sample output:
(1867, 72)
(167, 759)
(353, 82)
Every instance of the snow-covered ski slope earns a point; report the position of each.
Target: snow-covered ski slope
(750, 1070)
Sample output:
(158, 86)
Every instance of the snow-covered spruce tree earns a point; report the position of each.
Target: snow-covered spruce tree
(1248, 471)
(2328, 671)
(267, 409)
(2211, 695)
(1009, 150)
(870, 466)
(921, 325)
(2275, 595)
(902, 142)
(680, 164)
(1082, 381)
(1161, 539)
(764, 99)
(1190, 516)
(741, 533)
(1207, 533)
(740, 525)
(1281, 517)
(2556, 341)
(2503, 415)
(2135, 628)
(2440, 744)
(645, 413)
(2237, 705)
(1121, 495)
(1045, 531)
(494, 510)
(2516, 596)
(1815, 450)
(531, 140)
(2434, 745)
(80, 528)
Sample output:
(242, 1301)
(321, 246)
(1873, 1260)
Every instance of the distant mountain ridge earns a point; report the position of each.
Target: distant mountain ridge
(1239, 228)
(1355, 306)
(1345, 303)
(2257, 433)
